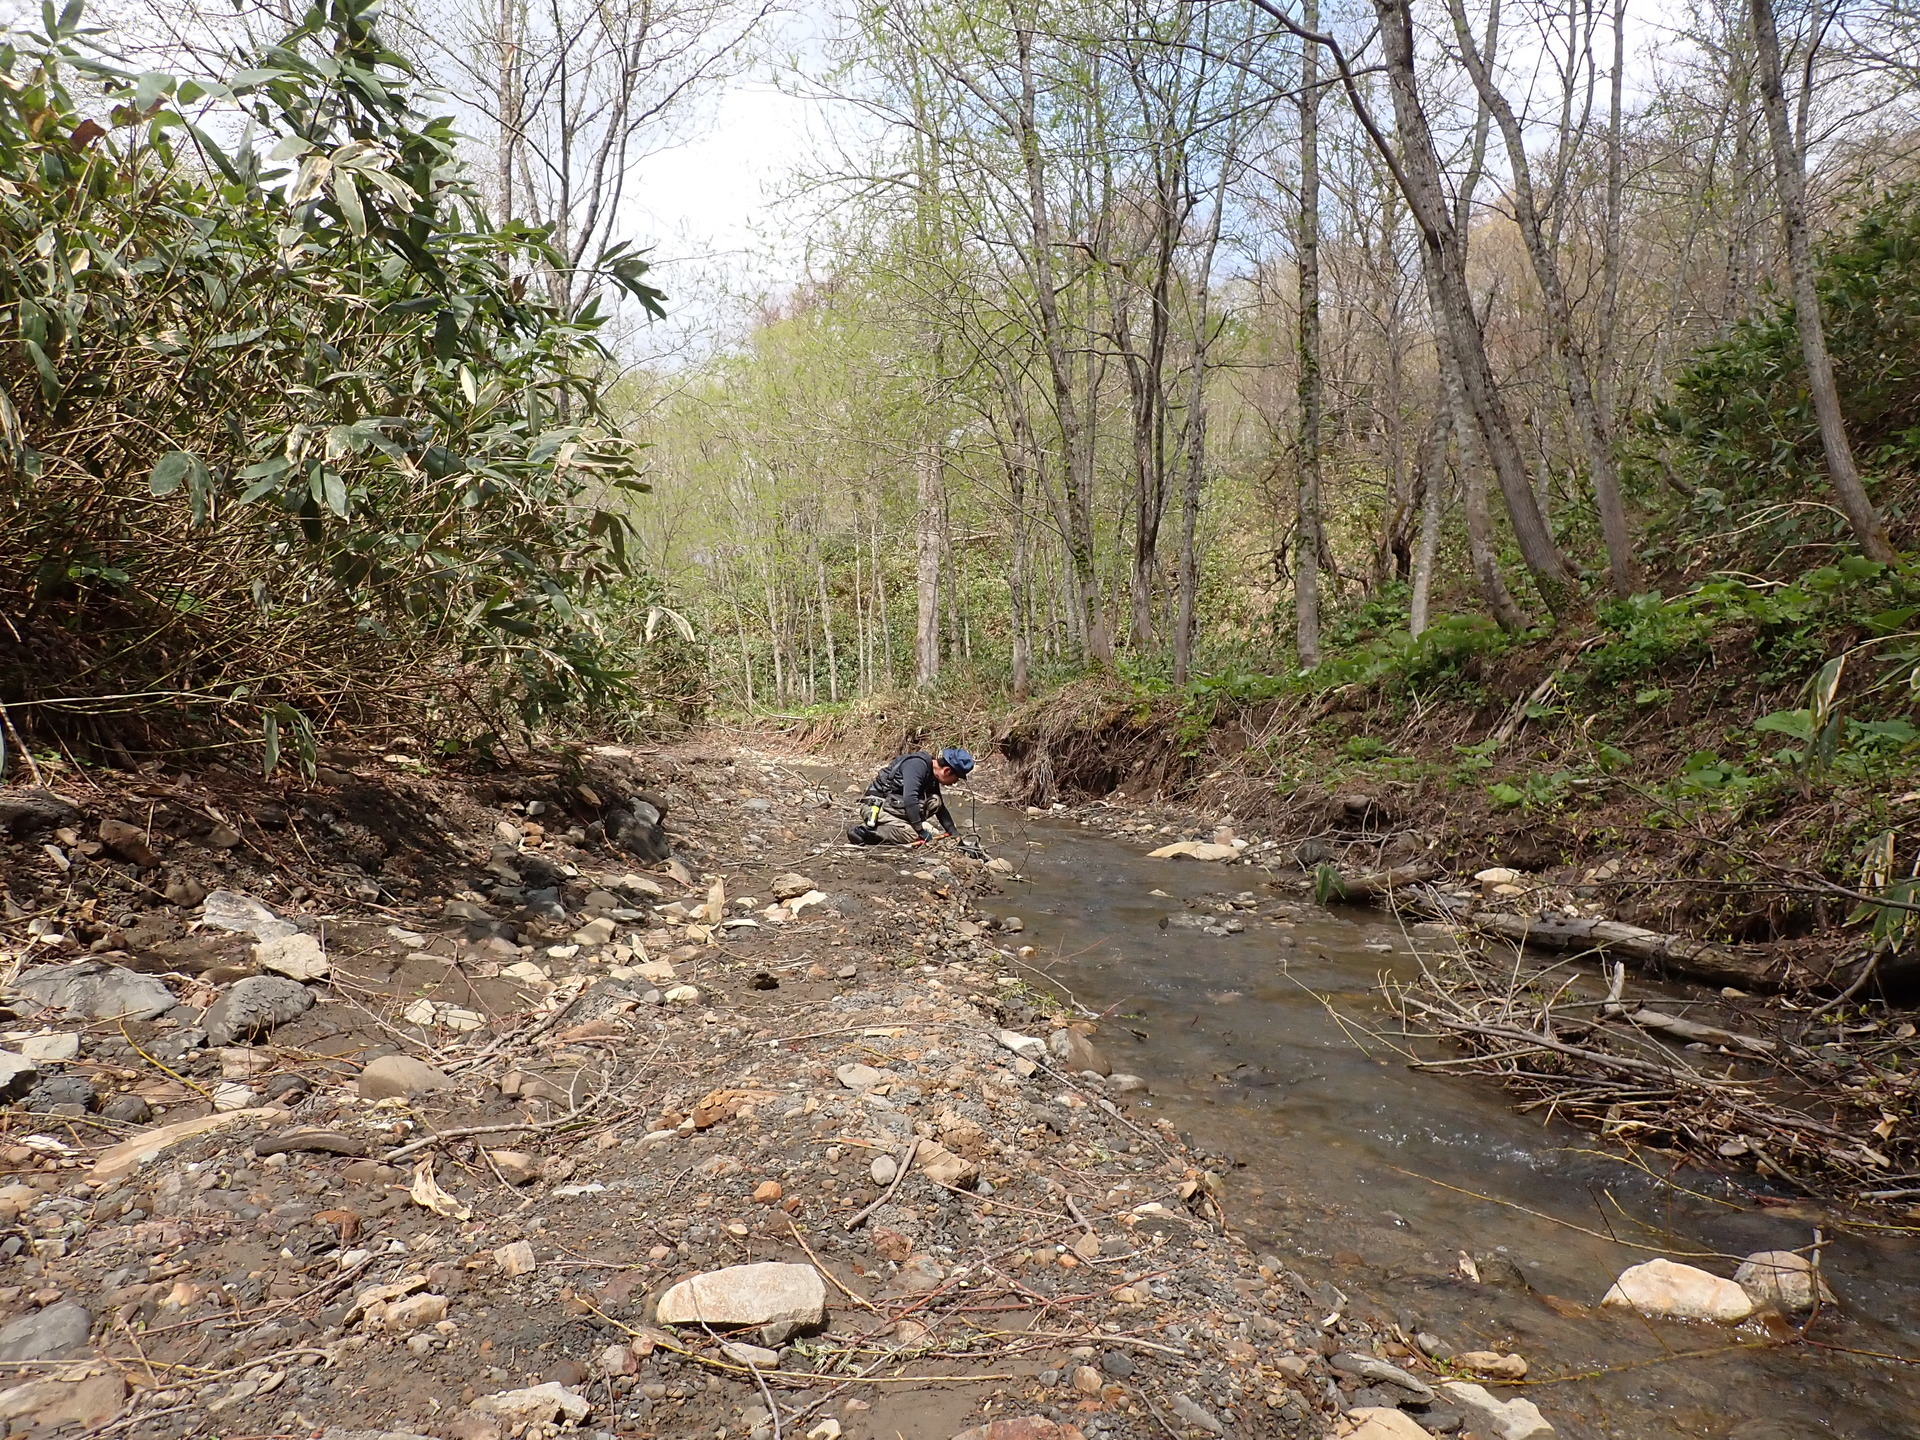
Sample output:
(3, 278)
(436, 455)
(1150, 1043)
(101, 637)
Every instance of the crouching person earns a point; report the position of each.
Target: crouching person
(904, 804)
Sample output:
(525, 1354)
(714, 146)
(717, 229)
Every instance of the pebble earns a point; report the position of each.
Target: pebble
(1117, 1363)
(883, 1169)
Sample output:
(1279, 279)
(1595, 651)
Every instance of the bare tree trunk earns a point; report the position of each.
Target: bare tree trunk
(1588, 422)
(1306, 583)
(1077, 471)
(927, 555)
(1418, 170)
(1790, 178)
(826, 629)
(1433, 509)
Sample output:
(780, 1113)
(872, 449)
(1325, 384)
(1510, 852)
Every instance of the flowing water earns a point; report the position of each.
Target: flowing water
(1364, 1173)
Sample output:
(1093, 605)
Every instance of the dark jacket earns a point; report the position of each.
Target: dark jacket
(911, 779)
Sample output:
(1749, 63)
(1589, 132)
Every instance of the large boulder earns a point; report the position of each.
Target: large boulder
(768, 1293)
(1679, 1292)
(97, 990)
(253, 1006)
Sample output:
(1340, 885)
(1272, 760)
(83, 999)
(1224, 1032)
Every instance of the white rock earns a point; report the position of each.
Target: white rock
(594, 932)
(1030, 1047)
(1497, 1419)
(860, 1078)
(762, 1294)
(1498, 875)
(884, 1169)
(1782, 1280)
(228, 910)
(681, 995)
(515, 1259)
(1682, 1292)
(536, 1405)
(298, 957)
(50, 1049)
(234, 1096)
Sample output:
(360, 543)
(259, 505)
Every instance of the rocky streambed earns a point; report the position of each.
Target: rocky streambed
(407, 1103)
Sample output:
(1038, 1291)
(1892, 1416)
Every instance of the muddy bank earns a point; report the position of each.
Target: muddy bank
(400, 1102)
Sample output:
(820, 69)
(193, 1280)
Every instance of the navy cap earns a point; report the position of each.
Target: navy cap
(958, 761)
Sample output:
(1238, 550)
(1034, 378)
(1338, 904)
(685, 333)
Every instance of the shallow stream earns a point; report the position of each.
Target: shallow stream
(1364, 1173)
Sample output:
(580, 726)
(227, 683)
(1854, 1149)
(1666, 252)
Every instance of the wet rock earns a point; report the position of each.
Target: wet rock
(1127, 1085)
(48, 1404)
(400, 1077)
(56, 1093)
(760, 1294)
(536, 1405)
(1191, 1412)
(129, 842)
(51, 1334)
(128, 1109)
(17, 1074)
(96, 989)
(298, 957)
(1681, 1292)
(1379, 1372)
(1194, 850)
(26, 813)
(1496, 1419)
(1077, 1053)
(244, 915)
(1378, 1422)
(1501, 1270)
(1781, 1280)
(253, 1006)
(1492, 1364)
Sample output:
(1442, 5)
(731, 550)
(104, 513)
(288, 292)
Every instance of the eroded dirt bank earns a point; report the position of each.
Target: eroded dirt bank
(396, 1102)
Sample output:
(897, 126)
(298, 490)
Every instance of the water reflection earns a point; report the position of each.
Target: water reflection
(1361, 1171)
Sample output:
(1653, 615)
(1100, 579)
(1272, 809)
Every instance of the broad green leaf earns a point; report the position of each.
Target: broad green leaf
(170, 472)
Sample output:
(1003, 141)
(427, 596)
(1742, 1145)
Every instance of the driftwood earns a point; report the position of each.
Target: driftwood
(1674, 954)
(1376, 883)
